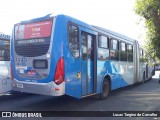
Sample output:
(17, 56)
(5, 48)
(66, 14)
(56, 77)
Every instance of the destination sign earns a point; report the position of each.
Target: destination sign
(33, 30)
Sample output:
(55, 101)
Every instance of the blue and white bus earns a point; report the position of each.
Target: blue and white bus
(5, 81)
(60, 55)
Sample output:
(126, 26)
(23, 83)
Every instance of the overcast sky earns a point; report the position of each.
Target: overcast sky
(116, 15)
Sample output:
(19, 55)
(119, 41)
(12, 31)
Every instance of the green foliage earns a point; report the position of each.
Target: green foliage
(150, 11)
(143, 60)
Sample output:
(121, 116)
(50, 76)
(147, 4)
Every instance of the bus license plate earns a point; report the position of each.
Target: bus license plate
(31, 72)
(20, 85)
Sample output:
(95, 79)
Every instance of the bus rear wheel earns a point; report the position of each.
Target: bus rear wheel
(105, 90)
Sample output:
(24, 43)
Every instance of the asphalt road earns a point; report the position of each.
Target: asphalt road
(139, 97)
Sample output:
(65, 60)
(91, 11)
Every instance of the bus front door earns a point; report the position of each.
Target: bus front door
(87, 67)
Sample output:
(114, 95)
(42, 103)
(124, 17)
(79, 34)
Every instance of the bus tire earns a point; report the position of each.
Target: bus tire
(105, 90)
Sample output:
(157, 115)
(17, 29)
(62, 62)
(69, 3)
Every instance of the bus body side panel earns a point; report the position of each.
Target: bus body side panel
(125, 70)
(72, 66)
(72, 80)
(121, 73)
(5, 81)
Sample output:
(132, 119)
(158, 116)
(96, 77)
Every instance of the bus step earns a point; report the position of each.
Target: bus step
(89, 95)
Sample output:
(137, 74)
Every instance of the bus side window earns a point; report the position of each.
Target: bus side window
(4, 53)
(73, 40)
(1, 55)
(114, 52)
(141, 53)
(7, 54)
(90, 46)
(123, 51)
(103, 48)
(87, 45)
(84, 45)
(130, 53)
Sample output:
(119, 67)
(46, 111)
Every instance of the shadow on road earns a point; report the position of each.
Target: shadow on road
(138, 97)
(13, 95)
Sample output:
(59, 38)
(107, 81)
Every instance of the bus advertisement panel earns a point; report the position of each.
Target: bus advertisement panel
(33, 30)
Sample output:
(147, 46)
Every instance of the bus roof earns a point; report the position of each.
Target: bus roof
(102, 30)
(114, 33)
(37, 19)
(79, 22)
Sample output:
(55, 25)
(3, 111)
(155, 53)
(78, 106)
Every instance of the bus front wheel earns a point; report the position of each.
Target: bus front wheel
(105, 90)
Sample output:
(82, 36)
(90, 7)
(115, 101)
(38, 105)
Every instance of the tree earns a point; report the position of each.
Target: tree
(150, 11)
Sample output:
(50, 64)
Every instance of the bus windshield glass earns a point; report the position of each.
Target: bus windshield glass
(4, 50)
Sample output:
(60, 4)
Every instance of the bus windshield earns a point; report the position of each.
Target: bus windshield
(4, 50)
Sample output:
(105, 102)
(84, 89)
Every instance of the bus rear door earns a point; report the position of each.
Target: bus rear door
(82, 73)
(88, 64)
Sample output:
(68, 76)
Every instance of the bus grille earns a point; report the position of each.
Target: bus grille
(32, 50)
